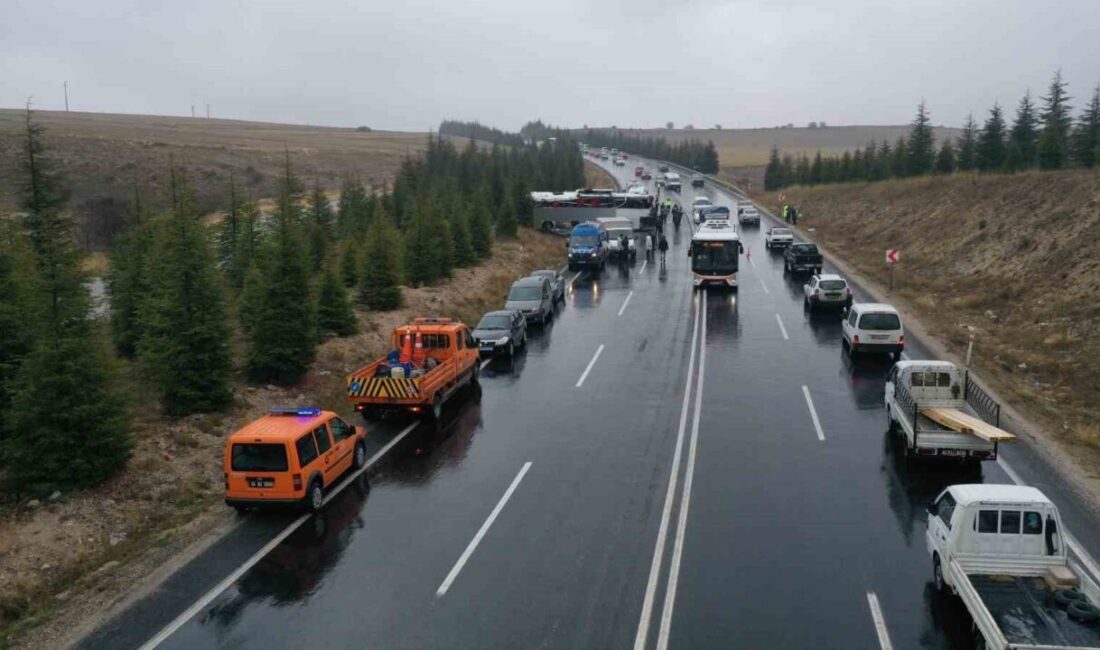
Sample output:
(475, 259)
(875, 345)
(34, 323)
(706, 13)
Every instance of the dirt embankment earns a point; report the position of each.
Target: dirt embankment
(1013, 260)
(65, 561)
(596, 176)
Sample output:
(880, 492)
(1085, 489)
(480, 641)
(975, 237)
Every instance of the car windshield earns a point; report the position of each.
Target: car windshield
(494, 322)
(880, 322)
(833, 285)
(525, 293)
(256, 457)
(582, 240)
(804, 249)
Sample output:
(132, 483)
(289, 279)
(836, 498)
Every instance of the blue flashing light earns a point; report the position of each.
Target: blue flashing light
(304, 411)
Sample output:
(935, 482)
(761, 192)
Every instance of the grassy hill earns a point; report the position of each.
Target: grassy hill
(103, 154)
(1013, 259)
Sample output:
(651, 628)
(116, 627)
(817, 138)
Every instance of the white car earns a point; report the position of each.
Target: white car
(827, 290)
(697, 204)
(748, 215)
(778, 237)
(873, 328)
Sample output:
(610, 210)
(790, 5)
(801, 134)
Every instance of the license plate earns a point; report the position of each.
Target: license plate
(486, 348)
(832, 296)
(879, 337)
(261, 482)
(952, 452)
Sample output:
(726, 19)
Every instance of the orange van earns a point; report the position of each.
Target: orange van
(290, 457)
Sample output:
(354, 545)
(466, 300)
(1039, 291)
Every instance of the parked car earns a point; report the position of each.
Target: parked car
(802, 258)
(289, 457)
(646, 175)
(696, 180)
(698, 204)
(533, 297)
(662, 168)
(827, 290)
(501, 332)
(873, 328)
(557, 282)
(778, 237)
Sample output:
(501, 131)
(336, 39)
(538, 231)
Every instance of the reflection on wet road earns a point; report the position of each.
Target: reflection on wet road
(792, 509)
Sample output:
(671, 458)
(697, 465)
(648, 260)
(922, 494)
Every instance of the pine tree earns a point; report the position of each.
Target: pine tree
(1086, 139)
(334, 312)
(481, 229)
(185, 331)
(899, 162)
(945, 160)
(462, 246)
(349, 263)
(990, 151)
(128, 280)
(16, 335)
(523, 207)
(250, 240)
(229, 231)
(67, 426)
(421, 256)
(968, 143)
(320, 225)
(505, 215)
(1023, 135)
(444, 246)
(1014, 158)
(816, 169)
(773, 173)
(1053, 147)
(350, 209)
(379, 285)
(920, 147)
(282, 340)
(250, 301)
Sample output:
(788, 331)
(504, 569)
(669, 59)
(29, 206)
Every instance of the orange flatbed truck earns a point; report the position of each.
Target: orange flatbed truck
(442, 357)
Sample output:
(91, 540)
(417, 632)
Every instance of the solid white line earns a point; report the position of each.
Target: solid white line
(481, 532)
(813, 413)
(670, 495)
(486, 362)
(880, 622)
(644, 262)
(750, 260)
(781, 328)
(574, 278)
(765, 285)
(591, 363)
(626, 302)
(1012, 475)
(200, 604)
(685, 498)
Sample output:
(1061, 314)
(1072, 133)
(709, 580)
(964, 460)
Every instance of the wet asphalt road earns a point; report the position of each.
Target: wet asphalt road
(779, 542)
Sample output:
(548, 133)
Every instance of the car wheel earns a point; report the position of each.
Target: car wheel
(511, 351)
(937, 575)
(436, 413)
(315, 497)
(891, 426)
(360, 457)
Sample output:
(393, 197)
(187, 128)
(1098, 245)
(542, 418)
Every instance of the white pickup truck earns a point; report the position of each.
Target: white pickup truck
(1002, 550)
(939, 411)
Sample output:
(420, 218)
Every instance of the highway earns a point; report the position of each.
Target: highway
(662, 467)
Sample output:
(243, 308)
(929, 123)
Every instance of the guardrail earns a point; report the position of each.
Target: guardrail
(985, 406)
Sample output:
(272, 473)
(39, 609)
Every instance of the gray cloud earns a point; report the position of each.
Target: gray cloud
(406, 64)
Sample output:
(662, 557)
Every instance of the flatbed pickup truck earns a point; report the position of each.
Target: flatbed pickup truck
(1002, 550)
(432, 359)
(939, 411)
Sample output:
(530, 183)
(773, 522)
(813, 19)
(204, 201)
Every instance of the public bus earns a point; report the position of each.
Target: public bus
(715, 252)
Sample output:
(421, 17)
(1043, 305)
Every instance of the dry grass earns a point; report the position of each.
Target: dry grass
(1013, 259)
(596, 176)
(102, 154)
(67, 561)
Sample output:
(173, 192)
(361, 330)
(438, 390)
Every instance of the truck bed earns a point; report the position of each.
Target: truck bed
(1026, 613)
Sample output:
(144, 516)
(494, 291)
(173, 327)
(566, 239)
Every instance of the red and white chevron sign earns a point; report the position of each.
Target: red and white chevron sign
(892, 255)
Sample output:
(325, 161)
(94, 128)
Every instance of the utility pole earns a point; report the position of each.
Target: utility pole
(66, 86)
(192, 111)
(208, 111)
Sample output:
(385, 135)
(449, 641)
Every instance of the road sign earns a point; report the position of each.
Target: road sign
(892, 255)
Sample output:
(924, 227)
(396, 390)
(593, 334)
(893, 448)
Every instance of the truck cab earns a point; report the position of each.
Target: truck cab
(672, 182)
(618, 228)
(1002, 550)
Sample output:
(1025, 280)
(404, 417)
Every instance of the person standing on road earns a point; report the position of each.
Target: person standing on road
(786, 213)
(648, 246)
(663, 246)
(794, 216)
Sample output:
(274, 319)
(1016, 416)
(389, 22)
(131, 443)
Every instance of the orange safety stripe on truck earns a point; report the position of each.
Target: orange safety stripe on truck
(386, 387)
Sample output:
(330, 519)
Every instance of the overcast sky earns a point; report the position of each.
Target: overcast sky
(407, 64)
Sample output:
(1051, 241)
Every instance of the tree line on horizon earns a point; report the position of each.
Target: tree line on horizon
(702, 156)
(184, 295)
(1040, 137)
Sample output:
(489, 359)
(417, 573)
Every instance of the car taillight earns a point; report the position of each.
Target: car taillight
(901, 340)
(297, 481)
(855, 340)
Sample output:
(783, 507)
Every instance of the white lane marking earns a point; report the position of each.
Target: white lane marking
(670, 495)
(208, 597)
(765, 285)
(626, 302)
(752, 263)
(782, 329)
(880, 622)
(481, 532)
(644, 262)
(685, 498)
(1071, 541)
(591, 363)
(904, 356)
(574, 279)
(486, 362)
(813, 413)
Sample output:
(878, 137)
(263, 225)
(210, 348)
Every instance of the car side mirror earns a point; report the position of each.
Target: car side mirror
(931, 508)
